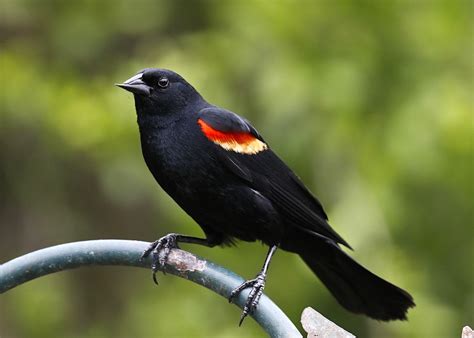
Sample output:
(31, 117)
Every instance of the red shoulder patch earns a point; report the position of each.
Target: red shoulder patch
(244, 143)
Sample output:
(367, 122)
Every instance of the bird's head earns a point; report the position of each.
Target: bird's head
(161, 92)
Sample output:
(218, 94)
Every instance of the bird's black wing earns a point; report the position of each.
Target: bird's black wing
(245, 153)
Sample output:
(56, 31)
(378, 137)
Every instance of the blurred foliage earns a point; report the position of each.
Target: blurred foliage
(369, 101)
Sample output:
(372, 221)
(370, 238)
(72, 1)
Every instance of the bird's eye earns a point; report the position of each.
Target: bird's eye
(163, 82)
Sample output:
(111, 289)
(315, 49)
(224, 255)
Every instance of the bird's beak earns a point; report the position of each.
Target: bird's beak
(136, 85)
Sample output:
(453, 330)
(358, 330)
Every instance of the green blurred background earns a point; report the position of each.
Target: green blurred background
(370, 102)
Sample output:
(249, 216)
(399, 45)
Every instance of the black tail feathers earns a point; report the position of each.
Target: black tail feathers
(355, 288)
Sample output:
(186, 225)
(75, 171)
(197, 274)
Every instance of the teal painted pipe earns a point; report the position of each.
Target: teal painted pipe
(123, 252)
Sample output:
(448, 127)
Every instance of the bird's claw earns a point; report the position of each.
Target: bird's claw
(160, 250)
(257, 284)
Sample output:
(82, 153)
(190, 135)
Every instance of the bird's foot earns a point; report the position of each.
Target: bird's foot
(160, 250)
(257, 284)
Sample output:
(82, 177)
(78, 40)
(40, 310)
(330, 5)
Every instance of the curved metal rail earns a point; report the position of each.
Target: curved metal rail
(127, 253)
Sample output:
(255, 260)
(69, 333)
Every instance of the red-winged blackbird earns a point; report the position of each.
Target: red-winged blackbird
(219, 169)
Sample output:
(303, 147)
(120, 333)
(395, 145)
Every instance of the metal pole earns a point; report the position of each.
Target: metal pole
(127, 253)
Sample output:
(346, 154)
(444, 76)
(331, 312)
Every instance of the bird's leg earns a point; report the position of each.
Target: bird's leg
(161, 248)
(257, 284)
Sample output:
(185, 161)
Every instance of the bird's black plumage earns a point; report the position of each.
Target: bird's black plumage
(219, 169)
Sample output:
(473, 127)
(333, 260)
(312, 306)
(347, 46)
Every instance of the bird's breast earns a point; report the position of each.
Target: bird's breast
(180, 160)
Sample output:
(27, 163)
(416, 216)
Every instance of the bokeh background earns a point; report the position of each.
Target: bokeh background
(370, 102)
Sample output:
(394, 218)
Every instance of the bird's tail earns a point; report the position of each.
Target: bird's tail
(355, 288)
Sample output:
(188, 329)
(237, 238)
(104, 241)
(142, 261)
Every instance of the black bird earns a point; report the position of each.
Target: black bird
(219, 169)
